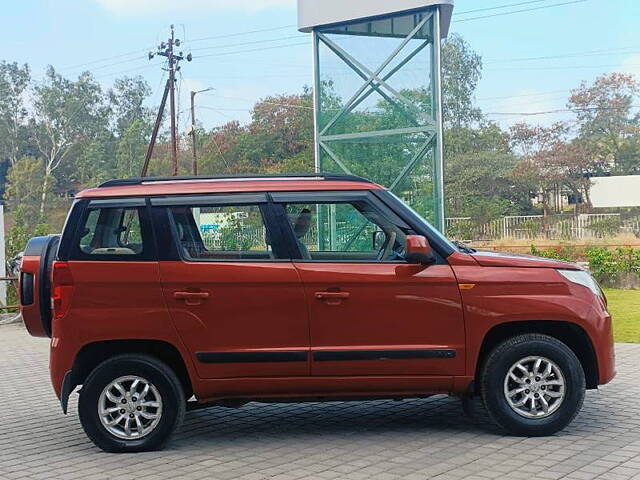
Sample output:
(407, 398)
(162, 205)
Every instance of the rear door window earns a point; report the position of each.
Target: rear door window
(222, 233)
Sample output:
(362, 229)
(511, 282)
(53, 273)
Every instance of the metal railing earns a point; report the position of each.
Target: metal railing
(529, 227)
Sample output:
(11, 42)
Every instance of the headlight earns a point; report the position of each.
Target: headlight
(582, 278)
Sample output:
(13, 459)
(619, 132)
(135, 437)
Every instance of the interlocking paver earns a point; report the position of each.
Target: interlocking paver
(416, 439)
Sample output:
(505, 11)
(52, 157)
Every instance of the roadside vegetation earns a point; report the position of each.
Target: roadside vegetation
(63, 133)
(59, 135)
(624, 306)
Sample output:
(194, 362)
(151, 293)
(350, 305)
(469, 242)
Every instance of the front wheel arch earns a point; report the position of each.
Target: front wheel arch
(571, 334)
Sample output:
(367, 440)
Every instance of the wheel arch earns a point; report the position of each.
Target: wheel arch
(93, 354)
(571, 334)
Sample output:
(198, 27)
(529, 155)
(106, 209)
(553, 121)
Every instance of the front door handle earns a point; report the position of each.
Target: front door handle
(191, 298)
(332, 298)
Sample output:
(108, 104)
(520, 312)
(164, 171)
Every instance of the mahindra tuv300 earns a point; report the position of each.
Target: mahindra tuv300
(166, 294)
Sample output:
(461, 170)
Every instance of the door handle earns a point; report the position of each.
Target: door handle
(332, 298)
(191, 298)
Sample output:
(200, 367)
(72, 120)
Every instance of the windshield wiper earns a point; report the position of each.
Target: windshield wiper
(464, 247)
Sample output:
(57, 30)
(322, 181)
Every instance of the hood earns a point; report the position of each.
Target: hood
(496, 259)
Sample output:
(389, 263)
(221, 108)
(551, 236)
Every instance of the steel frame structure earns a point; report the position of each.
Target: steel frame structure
(430, 126)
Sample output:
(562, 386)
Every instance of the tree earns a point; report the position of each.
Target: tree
(552, 159)
(14, 81)
(606, 125)
(220, 153)
(537, 146)
(279, 138)
(281, 127)
(461, 72)
(24, 201)
(66, 113)
(126, 100)
(479, 169)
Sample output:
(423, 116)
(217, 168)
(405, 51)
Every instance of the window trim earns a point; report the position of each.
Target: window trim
(419, 225)
(209, 200)
(324, 197)
(270, 224)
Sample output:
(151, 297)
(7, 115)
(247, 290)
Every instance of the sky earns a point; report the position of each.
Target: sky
(248, 49)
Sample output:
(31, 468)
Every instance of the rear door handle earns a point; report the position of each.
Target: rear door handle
(332, 298)
(191, 298)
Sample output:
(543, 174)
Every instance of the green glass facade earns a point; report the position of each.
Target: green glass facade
(377, 105)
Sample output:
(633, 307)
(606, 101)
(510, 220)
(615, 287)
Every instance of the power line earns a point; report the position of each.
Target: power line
(520, 11)
(564, 110)
(229, 45)
(100, 67)
(267, 102)
(286, 105)
(217, 110)
(563, 67)
(537, 94)
(254, 50)
(592, 53)
(137, 52)
(501, 7)
(106, 59)
(206, 107)
(144, 50)
(120, 72)
(239, 34)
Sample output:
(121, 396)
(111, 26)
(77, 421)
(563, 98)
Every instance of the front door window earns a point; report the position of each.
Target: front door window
(345, 231)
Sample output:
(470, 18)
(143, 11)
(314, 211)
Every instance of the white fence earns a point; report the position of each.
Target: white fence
(525, 227)
(597, 225)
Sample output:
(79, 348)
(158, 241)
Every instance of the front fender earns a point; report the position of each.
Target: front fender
(506, 295)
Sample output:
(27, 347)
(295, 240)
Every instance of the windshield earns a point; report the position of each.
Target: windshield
(434, 232)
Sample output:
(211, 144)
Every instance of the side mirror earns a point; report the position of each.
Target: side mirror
(419, 251)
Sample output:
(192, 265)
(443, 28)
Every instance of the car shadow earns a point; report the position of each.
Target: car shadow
(280, 421)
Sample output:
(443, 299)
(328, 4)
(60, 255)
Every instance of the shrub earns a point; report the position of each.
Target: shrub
(531, 227)
(462, 230)
(603, 264)
(563, 252)
(615, 267)
(606, 227)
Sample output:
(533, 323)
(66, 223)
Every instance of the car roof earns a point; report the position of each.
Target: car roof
(151, 186)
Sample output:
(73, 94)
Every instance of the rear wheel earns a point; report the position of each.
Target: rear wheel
(532, 385)
(131, 403)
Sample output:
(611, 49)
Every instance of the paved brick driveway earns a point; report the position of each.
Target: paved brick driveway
(381, 440)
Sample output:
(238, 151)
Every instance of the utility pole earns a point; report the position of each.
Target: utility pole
(166, 49)
(172, 93)
(156, 127)
(194, 163)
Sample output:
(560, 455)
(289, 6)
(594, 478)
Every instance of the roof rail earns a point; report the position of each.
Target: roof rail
(302, 176)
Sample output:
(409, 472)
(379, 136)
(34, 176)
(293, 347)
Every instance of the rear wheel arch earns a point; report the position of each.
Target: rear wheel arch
(93, 354)
(571, 334)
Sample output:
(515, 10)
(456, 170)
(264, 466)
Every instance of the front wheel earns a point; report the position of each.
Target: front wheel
(532, 385)
(131, 403)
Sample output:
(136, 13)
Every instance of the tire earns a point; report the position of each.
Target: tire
(158, 422)
(531, 419)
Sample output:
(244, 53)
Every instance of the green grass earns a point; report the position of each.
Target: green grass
(624, 306)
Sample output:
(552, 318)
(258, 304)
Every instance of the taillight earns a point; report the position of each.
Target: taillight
(61, 289)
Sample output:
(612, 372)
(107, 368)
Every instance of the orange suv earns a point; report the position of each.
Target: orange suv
(167, 294)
